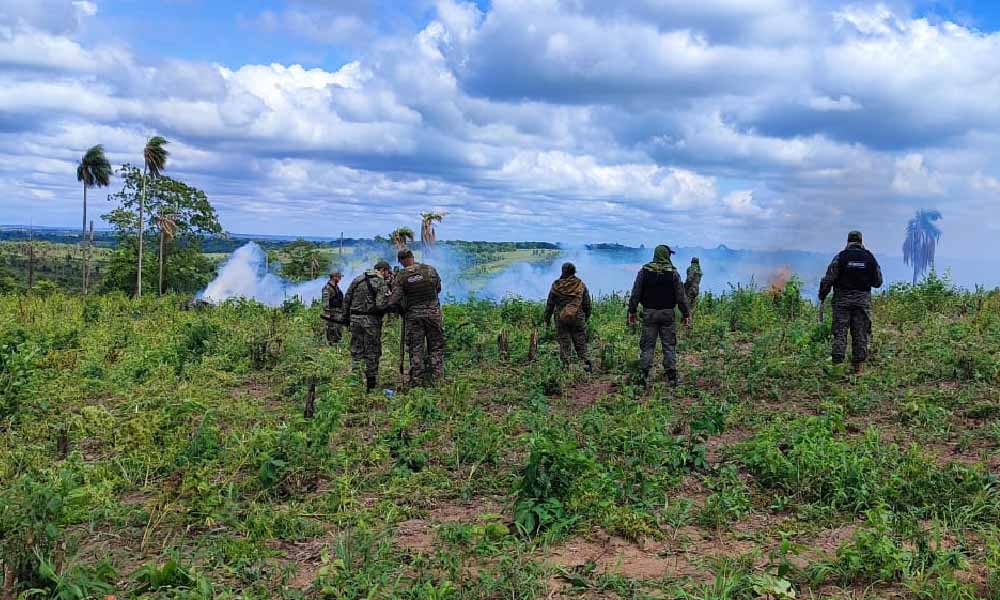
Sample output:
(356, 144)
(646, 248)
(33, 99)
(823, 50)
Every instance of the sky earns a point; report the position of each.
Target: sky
(758, 124)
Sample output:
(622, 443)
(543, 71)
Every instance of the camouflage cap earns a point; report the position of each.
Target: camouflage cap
(382, 266)
(854, 236)
(695, 259)
(336, 274)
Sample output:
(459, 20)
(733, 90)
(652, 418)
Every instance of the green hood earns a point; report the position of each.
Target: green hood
(661, 261)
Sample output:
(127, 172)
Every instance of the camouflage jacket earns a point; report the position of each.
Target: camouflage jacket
(843, 297)
(333, 301)
(558, 300)
(367, 298)
(693, 280)
(415, 291)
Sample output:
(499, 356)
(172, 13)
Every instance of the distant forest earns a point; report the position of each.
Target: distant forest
(229, 243)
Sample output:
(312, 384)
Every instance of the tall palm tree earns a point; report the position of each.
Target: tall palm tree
(922, 237)
(94, 170)
(401, 237)
(154, 155)
(428, 236)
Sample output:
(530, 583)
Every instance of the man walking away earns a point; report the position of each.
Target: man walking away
(852, 275)
(366, 303)
(659, 290)
(333, 308)
(692, 284)
(415, 292)
(569, 301)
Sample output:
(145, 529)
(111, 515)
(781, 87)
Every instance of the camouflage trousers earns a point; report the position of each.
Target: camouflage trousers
(570, 336)
(425, 344)
(334, 333)
(857, 320)
(366, 346)
(658, 324)
(692, 297)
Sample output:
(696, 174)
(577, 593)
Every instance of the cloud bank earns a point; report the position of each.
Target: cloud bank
(759, 123)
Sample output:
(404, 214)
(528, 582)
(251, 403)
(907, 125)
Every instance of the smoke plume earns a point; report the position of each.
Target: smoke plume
(244, 275)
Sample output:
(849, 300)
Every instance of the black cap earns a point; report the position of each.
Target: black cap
(854, 237)
(568, 269)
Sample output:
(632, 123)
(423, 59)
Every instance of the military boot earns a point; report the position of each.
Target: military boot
(371, 382)
(672, 378)
(644, 378)
(588, 366)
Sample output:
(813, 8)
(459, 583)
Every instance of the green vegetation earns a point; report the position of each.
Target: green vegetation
(155, 452)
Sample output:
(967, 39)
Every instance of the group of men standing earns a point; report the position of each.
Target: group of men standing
(413, 292)
(658, 288)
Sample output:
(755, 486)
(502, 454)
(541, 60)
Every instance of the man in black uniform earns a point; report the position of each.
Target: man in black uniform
(852, 275)
(660, 291)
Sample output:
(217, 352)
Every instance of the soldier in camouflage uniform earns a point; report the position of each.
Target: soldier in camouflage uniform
(366, 302)
(852, 275)
(415, 294)
(333, 309)
(659, 290)
(692, 284)
(569, 301)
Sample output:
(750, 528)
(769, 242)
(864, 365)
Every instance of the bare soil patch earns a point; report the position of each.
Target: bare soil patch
(587, 394)
(419, 535)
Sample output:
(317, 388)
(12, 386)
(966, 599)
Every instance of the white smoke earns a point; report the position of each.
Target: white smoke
(245, 275)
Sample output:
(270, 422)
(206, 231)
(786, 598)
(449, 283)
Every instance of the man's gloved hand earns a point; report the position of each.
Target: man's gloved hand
(632, 319)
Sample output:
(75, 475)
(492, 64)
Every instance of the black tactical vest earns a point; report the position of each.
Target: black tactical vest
(419, 286)
(857, 270)
(658, 290)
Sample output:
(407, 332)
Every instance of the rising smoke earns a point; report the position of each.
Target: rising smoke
(244, 275)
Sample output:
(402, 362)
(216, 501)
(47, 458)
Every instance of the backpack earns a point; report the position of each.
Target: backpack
(571, 310)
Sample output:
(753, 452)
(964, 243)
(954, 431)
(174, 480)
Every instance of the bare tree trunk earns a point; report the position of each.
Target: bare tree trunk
(533, 347)
(162, 236)
(310, 408)
(31, 258)
(503, 345)
(8, 580)
(83, 236)
(142, 205)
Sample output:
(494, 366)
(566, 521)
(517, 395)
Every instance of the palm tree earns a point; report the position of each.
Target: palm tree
(428, 236)
(922, 237)
(94, 170)
(401, 237)
(154, 156)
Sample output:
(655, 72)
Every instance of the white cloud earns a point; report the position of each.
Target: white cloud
(986, 183)
(913, 178)
(740, 203)
(825, 103)
(544, 117)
